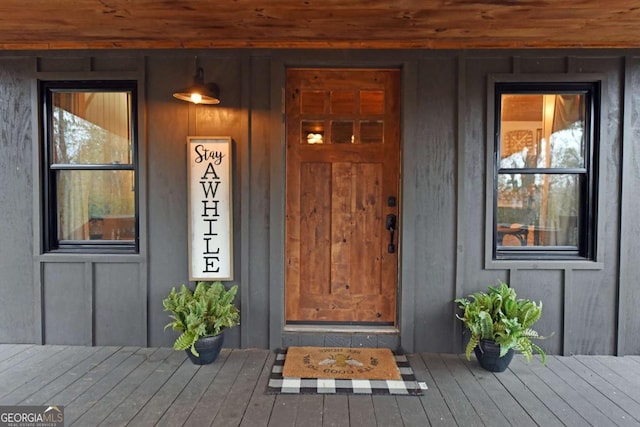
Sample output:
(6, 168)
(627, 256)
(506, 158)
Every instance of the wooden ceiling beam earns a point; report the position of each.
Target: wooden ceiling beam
(433, 24)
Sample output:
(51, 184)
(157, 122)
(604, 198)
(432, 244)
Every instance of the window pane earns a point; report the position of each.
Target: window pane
(96, 205)
(538, 210)
(542, 130)
(566, 148)
(91, 127)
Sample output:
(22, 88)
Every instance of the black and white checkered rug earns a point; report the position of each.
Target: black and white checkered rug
(407, 386)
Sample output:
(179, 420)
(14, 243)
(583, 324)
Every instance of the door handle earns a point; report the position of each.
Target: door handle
(391, 226)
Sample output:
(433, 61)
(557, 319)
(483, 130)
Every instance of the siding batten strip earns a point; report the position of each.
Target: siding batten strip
(89, 284)
(38, 295)
(243, 154)
(38, 267)
(567, 287)
(407, 278)
(626, 274)
(276, 207)
(460, 208)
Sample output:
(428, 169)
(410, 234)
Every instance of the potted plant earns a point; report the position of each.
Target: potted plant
(500, 324)
(202, 315)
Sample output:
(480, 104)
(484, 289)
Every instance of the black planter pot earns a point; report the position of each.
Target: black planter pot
(208, 348)
(488, 355)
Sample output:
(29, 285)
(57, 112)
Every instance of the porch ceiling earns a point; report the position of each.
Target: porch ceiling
(437, 24)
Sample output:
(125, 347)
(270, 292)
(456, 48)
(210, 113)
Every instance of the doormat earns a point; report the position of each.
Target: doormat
(341, 363)
(405, 385)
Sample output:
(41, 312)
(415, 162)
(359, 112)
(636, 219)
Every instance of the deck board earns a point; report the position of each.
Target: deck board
(22, 370)
(235, 402)
(624, 381)
(549, 398)
(434, 405)
(83, 384)
(210, 403)
(387, 411)
(615, 383)
(309, 413)
(361, 412)
(488, 411)
(622, 407)
(128, 409)
(40, 376)
(461, 409)
(118, 394)
(130, 386)
(566, 391)
(516, 401)
(625, 374)
(336, 411)
(562, 368)
(8, 351)
(411, 412)
(98, 390)
(63, 379)
(14, 358)
(260, 403)
(285, 411)
(512, 400)
(165, 396)
(180, 409)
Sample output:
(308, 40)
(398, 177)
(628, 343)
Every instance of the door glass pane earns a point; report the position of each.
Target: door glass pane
(372, 102)
(96, 205)
(342, 132)
(538, 210)
(312, 102)
(371, 132)
(343, 102)
(312, 132)
(542, 131)
(92, 127)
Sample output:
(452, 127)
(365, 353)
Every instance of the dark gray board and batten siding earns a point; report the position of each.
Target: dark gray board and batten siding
(116, 300)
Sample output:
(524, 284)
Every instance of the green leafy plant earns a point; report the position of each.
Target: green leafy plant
(204, 312)
(497, 315)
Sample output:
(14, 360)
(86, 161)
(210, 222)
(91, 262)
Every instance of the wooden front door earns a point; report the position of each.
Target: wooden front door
(343, 165)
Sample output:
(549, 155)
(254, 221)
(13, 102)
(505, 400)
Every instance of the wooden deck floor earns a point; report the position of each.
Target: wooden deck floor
(112, 386)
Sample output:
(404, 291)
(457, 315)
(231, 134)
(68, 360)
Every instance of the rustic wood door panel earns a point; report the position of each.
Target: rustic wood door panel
(342, 169)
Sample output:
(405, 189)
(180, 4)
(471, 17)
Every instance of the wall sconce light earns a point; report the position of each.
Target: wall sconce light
(199, 92)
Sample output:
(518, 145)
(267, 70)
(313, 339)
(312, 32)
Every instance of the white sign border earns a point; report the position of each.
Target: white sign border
(226, 186)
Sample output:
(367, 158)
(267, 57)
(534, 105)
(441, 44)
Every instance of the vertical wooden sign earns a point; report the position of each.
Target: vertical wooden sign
(210, 208)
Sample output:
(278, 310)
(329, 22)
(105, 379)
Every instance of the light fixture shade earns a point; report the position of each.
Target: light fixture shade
(200, 92)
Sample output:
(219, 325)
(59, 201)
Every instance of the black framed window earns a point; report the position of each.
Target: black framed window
(545, 170)
(90, 166)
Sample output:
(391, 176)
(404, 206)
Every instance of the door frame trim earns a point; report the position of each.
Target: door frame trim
(277, 187)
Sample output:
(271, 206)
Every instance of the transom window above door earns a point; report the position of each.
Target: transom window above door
(342, 116)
